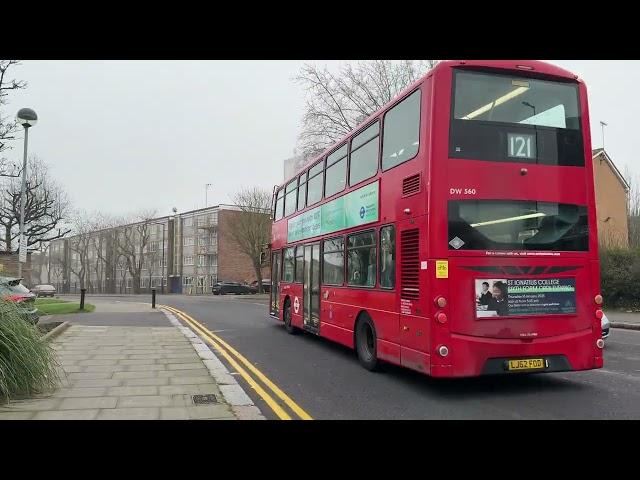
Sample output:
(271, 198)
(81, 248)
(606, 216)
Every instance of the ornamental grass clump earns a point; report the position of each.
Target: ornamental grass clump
(28, 363)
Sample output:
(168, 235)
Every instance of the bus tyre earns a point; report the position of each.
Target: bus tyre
(366, 343)
(287, 318)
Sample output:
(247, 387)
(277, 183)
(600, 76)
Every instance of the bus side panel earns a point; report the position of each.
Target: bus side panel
(343, 305)
(336, 334)
(415, 360)
(295, 292)
(388, 351)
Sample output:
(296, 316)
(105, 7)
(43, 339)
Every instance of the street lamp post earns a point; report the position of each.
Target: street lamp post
(602, 125)
(27, 118)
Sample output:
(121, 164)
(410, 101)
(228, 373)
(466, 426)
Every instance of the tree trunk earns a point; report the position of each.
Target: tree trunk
(7, 239)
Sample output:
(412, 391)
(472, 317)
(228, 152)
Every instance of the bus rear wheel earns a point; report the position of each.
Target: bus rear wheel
(366, 343)
(287, 319)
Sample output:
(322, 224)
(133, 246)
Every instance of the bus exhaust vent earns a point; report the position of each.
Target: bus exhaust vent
(410, 264)
(411, 185)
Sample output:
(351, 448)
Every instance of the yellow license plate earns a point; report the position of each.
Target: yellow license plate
(526, 364)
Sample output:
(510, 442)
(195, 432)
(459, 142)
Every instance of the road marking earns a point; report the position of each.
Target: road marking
(259, 390)
(229, 353)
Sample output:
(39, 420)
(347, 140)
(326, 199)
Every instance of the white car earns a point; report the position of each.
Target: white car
(606, 325)
(44, 290)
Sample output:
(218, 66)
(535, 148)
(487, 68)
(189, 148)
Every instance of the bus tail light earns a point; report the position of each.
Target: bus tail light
(443, 351)
(441, 317)
(599, 314)
(598, 299)
(600, 343)
(441, 301)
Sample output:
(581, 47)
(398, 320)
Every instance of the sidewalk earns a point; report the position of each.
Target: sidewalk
(120, 372)
(618, 319)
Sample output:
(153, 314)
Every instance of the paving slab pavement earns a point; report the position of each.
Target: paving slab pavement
(116, 371)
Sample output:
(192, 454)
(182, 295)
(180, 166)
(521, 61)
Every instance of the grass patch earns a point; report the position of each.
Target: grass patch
(45, 300)
(61, 308)
(27, 362)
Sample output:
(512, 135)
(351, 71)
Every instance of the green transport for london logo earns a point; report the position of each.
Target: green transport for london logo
(356, 208)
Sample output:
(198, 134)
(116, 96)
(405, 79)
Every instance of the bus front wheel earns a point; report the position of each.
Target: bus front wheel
(287, 319)
(366, 343)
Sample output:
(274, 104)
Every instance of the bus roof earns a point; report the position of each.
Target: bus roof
(535, 66)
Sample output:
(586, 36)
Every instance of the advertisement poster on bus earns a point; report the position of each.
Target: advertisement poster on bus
(524, 296)
(355, 208)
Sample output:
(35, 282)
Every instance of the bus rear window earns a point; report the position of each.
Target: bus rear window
(517, 225)
(510, 118)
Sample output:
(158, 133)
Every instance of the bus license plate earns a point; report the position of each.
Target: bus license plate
(526, 364)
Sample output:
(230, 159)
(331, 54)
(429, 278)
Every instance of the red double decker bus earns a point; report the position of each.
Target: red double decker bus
(454, 231)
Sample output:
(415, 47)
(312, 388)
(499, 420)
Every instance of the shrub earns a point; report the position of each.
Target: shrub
(28, 363)
(620, 278)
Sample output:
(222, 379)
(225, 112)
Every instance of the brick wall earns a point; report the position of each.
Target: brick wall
(9, 262)
(233, 265)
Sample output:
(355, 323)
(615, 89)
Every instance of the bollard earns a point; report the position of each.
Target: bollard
(82, 292)
(153, 298)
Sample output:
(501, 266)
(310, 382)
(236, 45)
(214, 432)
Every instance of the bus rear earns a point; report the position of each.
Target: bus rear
(512, 224)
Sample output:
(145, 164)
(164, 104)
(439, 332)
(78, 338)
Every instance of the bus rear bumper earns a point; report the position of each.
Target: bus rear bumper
(474, 356)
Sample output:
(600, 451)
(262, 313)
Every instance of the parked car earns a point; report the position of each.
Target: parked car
(266, 285)
(11, 290)
(606, 325)
(44, 290)
(224, 288)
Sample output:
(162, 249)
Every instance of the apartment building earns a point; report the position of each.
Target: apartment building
(183, 253)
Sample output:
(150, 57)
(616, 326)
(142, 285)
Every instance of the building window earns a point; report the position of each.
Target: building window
(336, 177)
(401, 138)
(290, 198)
(213, 260)
(187, 241)
(364, 155)
(288, 265)
(187, 222)
(202, 260)
(188, 260)
(388, 256)
(302, 191)
(279, 204)
(187, 281)
(202, 220)
(361, 259)
(333, 261)
(299, 263)
(314, 185)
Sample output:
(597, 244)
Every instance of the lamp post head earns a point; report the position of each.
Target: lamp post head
(27, 117)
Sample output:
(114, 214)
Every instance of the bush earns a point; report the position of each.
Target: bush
(620, 278)
(28, 363)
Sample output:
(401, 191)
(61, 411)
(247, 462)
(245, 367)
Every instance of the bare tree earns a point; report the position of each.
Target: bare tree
(79, 245)
(251, 226)
(132, 242)
(633, 208)
(56, 271)
(46, 206)
(338, 102)
(8, 125)
(102, 242)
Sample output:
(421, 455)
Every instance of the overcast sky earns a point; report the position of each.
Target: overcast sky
(128, 135)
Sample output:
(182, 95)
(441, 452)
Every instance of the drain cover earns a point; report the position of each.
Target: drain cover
(204, 399)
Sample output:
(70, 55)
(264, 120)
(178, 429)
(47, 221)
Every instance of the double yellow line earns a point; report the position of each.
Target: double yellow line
(235, 359)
